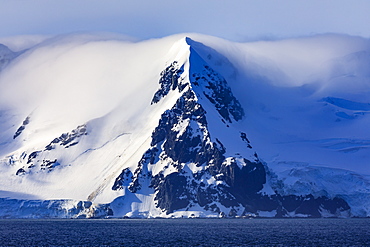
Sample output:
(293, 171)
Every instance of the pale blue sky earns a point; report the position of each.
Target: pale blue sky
(234, 19)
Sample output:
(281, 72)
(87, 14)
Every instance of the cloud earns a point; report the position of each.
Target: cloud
(22, 42)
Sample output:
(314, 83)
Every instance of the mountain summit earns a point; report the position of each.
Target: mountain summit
(178, 127)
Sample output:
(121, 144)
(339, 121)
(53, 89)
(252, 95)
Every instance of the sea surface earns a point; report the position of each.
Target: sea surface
(185, 232)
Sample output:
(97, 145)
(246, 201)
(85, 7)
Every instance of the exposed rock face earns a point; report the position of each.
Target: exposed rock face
(38, 158)
(190, 141)
(170, 80)
(22, 127)
(172, 192)
(197, 171)
(68, 139)
(217, 91)
(124, 179)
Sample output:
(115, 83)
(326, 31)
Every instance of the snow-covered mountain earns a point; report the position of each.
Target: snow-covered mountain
(185, 126)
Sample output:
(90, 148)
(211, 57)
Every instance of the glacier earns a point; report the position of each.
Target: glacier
(185, 126)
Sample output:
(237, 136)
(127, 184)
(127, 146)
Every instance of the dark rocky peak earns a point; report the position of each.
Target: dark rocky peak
(181, 138)
(204, 81)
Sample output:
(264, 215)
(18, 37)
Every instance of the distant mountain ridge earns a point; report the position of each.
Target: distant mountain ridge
(6, 55)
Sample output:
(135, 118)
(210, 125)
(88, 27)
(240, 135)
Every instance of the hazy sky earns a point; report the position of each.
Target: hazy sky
(232, 19)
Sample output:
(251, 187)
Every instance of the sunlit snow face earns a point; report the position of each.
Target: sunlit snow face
(65, 75)
(88, 74)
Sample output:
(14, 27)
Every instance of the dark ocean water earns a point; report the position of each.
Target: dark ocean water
(186, 232)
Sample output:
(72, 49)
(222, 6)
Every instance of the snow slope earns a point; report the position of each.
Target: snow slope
(78, 110)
